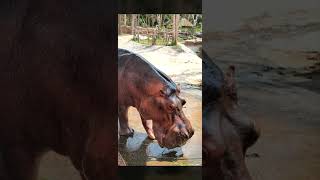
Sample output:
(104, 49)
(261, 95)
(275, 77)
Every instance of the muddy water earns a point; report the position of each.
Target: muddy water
(140, 151)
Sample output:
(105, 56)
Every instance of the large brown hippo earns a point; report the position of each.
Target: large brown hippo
(155, 96)
(227, 131)
(58, 86)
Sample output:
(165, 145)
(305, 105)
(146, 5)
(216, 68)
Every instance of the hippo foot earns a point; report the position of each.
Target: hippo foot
(126, 132)
(151, 134)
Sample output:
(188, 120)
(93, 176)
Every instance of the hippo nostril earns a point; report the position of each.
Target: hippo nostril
(191, 133)
(184, 133)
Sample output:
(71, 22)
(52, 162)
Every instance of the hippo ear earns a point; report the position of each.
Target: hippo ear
(230, 82)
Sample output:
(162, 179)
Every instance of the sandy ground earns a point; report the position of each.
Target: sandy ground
(277, 57)
(185, 68)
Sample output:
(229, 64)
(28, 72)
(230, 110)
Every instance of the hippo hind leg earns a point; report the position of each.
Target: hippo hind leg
(124, 129)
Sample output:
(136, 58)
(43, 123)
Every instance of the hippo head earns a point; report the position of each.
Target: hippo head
(228, 132)
(171, 127)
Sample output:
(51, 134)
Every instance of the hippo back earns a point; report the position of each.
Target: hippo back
(124, 52)
(212, 81)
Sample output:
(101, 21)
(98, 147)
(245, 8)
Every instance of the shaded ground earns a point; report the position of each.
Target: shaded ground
(184, 67)
(277, 57)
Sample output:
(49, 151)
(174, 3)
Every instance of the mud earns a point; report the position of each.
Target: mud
(275, 51)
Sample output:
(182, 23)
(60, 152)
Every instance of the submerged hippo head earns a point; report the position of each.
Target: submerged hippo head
(171, 127)
(228, 132)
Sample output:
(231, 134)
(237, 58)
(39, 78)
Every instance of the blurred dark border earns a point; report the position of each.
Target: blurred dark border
(160, 7)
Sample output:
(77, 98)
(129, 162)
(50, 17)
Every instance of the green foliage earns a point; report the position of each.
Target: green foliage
(159, 41)
(189, 27)
(150, 20)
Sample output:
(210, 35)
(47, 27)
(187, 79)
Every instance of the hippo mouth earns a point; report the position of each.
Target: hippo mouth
(170, 140)
(169, 145)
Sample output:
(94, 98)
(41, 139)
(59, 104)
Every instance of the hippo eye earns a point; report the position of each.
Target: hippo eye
(162, 93)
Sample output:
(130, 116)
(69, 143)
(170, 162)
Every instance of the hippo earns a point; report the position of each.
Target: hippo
(155, 96)
(227, 131)
(58, 86)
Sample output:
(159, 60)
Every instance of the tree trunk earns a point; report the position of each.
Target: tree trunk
(133, 20)
(137, 24)
(147, 20)
(159, 19)
(125, 20)
(195, 19)
(119, 24)
(175, 28)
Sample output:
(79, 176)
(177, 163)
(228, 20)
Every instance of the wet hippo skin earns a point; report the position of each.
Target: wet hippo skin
(228, 131)
(155, 96)
(58, 79)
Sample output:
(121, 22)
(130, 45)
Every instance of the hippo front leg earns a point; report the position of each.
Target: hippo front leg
(147, 124)
(124, 130)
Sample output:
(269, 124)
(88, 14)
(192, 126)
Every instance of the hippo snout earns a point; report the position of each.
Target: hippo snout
(183, 131)
(187, 133)
(184, 134)
(191, 132)
(178, 136)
